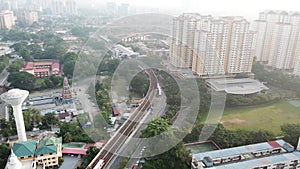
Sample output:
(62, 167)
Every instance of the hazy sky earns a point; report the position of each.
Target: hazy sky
(248, 8)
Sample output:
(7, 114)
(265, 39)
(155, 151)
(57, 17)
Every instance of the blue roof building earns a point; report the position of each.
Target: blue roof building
(273, 154)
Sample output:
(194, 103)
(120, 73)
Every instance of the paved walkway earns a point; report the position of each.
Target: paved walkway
(69, 162)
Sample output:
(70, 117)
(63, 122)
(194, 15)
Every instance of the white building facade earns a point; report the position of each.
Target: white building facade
(212, 46)
(278, 39)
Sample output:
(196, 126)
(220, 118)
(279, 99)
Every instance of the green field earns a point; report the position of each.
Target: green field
(268, 117)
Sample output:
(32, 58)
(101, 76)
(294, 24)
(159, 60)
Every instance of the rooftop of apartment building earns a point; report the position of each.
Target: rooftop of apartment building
(249, 156)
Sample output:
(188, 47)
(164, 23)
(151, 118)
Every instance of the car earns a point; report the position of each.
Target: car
(134, 167)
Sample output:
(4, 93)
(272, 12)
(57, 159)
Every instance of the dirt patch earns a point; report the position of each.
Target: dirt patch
(235, 121)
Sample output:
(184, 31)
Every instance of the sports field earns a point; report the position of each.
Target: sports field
(268, 117)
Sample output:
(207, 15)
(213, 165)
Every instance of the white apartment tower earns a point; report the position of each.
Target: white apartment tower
(182, 44)
(64, 7)
(226, 47)
(71, 7)
(7, 20)
(278, 37)
(212, 46)
(31, 17)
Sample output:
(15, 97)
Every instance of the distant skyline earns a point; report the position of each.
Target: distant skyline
(247, 8)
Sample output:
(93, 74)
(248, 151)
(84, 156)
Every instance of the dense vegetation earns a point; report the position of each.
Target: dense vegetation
(4, 154)
(140, 84)
(230, 138)
(277, 79)
(27, 81)
(46, 45)
(107, 68)
(103, 100)
(90, 154)
(4, 60)
(72, 132)
(176, 158)
(249, 100)
(291, 133)
(16, 66)
(171, 89)
(32, 118)
(68, 61)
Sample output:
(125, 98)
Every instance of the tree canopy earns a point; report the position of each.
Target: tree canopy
(176, 158)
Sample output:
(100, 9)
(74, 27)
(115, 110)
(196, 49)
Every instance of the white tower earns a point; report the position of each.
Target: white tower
(15, 98)
(13, 162)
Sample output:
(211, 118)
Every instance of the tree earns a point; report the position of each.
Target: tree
(48, 120)
(7, 127)
(90, 154)
(156, 127)
(291, 133)
(67, 137)
(22, 80)
(176, 158)
(16, 66)
(77, 133)
(124, 163)
(69, 60)
(230, 138)
(4, 154)
(140, 84)
(32, 118)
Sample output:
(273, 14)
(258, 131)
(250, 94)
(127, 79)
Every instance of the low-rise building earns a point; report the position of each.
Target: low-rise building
(267, 155)
(42, 69)
(25, 150)
(243, 86)
(49, 151)
(122, 52)
(34, 153)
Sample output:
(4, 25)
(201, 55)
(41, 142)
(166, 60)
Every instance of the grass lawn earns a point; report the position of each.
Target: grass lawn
(268, 117)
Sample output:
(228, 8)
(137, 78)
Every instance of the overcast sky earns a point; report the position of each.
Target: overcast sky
(248, 8)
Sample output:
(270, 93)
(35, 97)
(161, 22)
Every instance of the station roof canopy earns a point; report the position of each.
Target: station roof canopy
(237, 86)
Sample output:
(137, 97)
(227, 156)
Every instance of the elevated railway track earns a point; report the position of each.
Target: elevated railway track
(111, 148)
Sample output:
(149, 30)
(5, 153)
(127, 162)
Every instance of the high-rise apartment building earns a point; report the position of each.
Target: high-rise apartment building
(71, 7)
(212, 46)
(7, 20)
(64, 7)
(123, 9)
(30, 17)
(111, 8)
(278, 35)
(182, 43)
